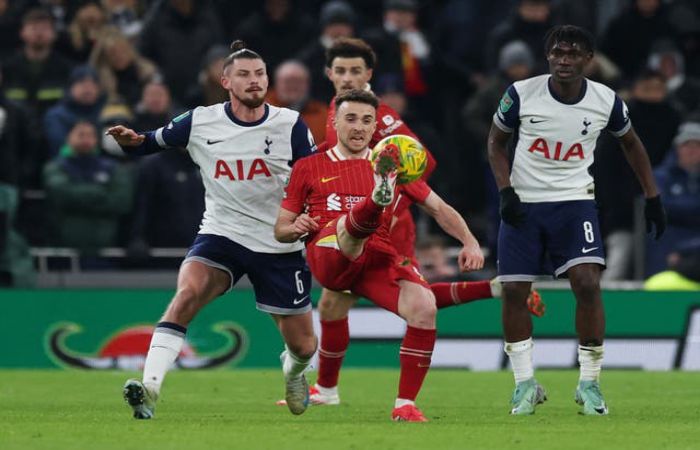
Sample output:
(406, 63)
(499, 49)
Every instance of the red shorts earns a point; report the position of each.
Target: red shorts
(374, 275)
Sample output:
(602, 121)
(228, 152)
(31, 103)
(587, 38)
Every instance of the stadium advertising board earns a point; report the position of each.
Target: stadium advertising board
(110, 329)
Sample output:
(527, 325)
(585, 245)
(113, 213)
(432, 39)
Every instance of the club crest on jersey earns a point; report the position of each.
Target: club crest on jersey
(268, 142)
(540, 146)
(257, 168)
(586, 122)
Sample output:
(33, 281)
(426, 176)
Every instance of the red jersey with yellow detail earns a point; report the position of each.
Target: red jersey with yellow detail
(403, 231)
(327, 185)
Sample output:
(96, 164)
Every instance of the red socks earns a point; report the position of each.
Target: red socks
(364, 218)
(416, 351)
(335, 338)
(451, 294)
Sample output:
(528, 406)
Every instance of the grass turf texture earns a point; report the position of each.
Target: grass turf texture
(235, 409)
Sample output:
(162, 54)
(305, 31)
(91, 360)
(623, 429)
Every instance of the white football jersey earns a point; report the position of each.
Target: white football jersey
(556, 139)
(244, 167)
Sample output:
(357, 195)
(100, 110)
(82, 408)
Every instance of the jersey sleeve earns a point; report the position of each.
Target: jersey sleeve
(619, 122)
(302, 141)
(175, 135)
(507, 116)
(296, 191)
(416, 191)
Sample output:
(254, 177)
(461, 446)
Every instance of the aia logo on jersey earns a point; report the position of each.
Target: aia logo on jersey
(557, 151)
(257, 168)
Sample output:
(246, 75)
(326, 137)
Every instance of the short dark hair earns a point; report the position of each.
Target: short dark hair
(351, 48)
(571, 34)
(358, 96)
(239, 50)
(37, 15)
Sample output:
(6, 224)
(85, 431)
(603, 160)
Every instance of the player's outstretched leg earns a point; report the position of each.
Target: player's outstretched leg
(463, 292)
(300, 346)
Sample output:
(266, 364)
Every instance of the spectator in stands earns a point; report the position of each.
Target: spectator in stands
(629, 36)
(115, 113)
(177, 25)
(155, 108)
(337, 19)
(679, 184)
(83, 102)
(36, 76)
(122, 70)
(87, 192)
(656, 123)
(169, 204)
(402, 48)
(124, 14)
(83, 32)
(683, 271)
(10, 19)
(277, 32)
(515, 62)
(433, 260)
(529, 24)
(684, 91)
(208, 90)
(292, 84)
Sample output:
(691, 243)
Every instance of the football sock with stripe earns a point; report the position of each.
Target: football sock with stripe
(457, 293)
(335, 338)
(166, 344)
(590, 358)
(520, 354)
(415, 354)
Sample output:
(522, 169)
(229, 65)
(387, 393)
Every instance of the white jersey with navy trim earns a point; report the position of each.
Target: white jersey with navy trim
(556, 140)
(244, 167)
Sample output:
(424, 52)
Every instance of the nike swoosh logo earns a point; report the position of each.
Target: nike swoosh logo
(214, 141)
(299, 300)
(537, 121)
(326, 180)
(587, 250)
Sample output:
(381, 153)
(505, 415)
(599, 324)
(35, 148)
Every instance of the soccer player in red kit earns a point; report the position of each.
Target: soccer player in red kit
(345, 209)
(350, 63)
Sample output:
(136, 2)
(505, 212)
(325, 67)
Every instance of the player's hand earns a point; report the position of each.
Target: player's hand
(125, 136)
(654, 213)
(470, 257)
(304, 224)
(511, 212)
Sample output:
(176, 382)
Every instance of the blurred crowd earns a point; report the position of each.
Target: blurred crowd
(71, 68)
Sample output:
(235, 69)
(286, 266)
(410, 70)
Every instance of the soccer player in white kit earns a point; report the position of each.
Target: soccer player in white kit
(244, 149)
(548, 208)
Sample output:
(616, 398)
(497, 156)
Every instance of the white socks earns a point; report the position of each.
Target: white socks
(590, 359)
(166, 344)
(293, 365)
(520, 354)
(403, 402)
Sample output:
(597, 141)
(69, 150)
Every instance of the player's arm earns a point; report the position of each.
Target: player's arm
(175, 135)
(620, 126)
(638, 159)
(470, 257)
(505, 120)
(302, 141)
(291, 226)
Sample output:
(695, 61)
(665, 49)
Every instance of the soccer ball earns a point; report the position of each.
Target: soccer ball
(412, 157)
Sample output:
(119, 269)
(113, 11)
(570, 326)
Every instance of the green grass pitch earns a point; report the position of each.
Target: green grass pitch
(235, 409)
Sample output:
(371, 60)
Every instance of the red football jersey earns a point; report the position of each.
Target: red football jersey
(327, 185)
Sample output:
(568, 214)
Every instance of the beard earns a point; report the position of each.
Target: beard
(253, 102)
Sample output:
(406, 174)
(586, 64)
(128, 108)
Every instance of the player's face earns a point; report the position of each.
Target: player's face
(246, 80)
(348, 74)
(567, 61)
(355, 123)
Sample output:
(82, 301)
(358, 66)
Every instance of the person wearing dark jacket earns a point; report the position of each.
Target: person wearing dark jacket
(83, 102)
(679, 184)
(87, 193)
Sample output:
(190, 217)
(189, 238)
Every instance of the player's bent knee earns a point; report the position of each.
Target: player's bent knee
(514, 293)
(303, 348)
